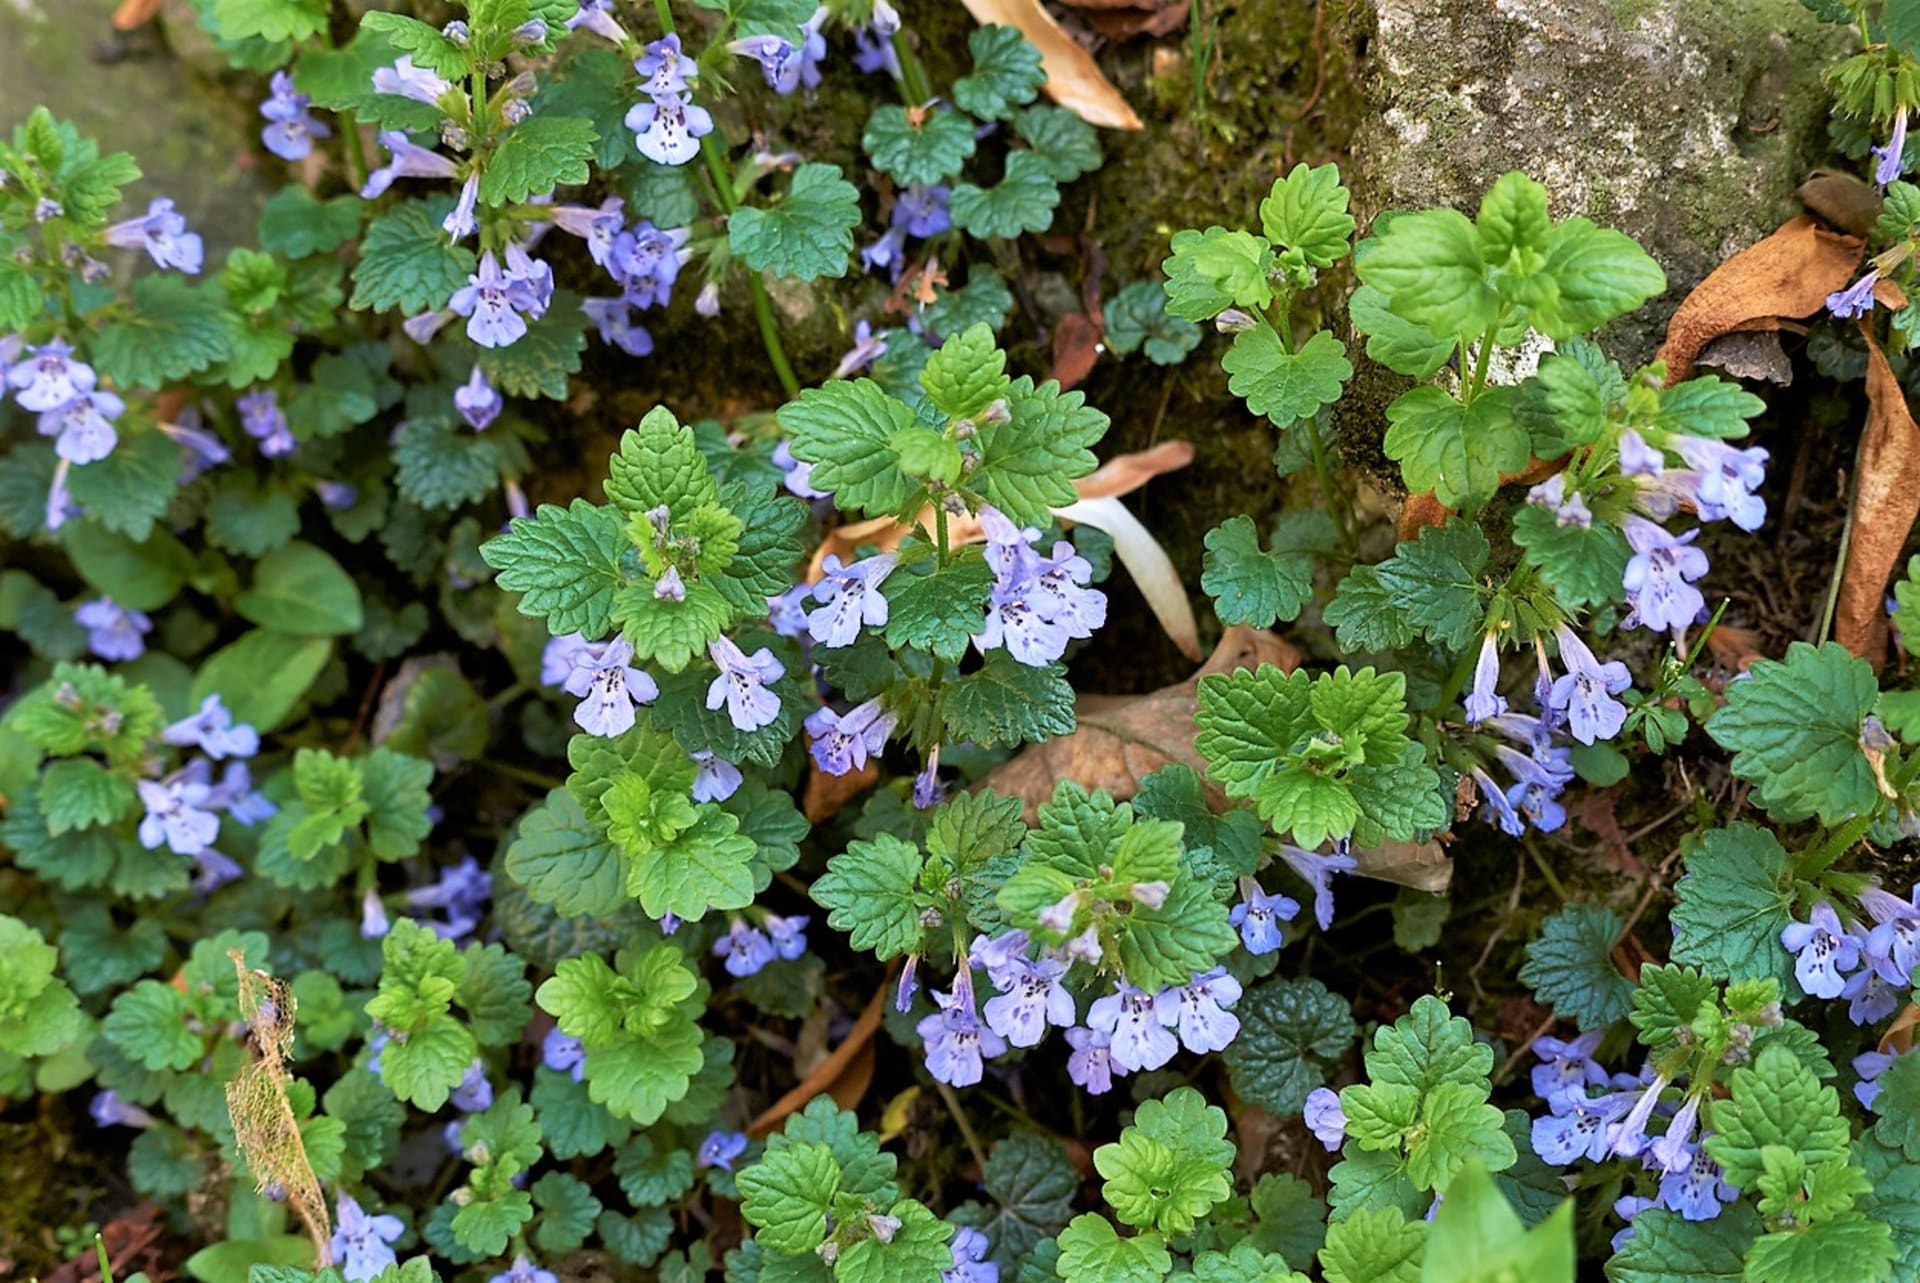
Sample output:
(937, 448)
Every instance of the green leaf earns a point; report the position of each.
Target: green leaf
(1092, 1252)
(1285, 386)
(1170, 1166)
(261, 676)
(1032, 1183)
(1898, 1106)
(572, 1123)
(1436, 580)
(917, 1250)
(1066, 144)
(1427, 1046)
(590, 85)
(1666, 1001)
(1777, 1101)
(1457, 451)
(1428, 267)
(1477, 1236)
(566, 862)
(787, 1194)
(844, 429)
(1794, 729)
(1734, 901)
(1374, 1246)
(1708, 407)
(245, 518)
(565, 563)
(270, 19)
(1598, 274)
(924, 145)
(1457, 1130)
(567, 1212)
(1570, 967)
(1292, 1034)
(426, 44)
(869, 893)
(176, 329)
(1137, 319)
(938, 611)
(966, 374)
(708, 866)
(1029, 462)
(1006, 703)
(1307, 211)
(1022, 201)
(302, 590)
(79, 793)
(1006, 73)
(1582, 564)
(1211, 271)
(546, 356)
(406, 262)
(1250, 585)
(148, 1023)
(808, 235)
(129, 490)
(540, 153)
(295, 224)
(21, 298)
(1852, 1247)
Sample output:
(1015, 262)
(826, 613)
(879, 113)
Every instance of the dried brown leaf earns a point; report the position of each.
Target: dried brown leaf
(1789, 274)
(839, 1074)
(1076, 346)
(1424, 866)
(1886, 500)
(1073, 80)
(1121, 738)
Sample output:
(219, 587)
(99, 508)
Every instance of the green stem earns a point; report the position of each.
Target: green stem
(356, 155)
(665, 13)
(940, 533)
(1484, 359)
(1334, 498)
(534, 779)
(762, 305)
(913, 77)
(1457, 679)
(1546, 871)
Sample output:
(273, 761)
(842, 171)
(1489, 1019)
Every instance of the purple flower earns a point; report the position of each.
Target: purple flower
(374, 923)
(843, 742)
(108, 1110)
(1013, 623)
(163, 234)
(409, 160)
(1628, 1137)
(1696, 1191)
(1870, 999)
(337, 495)
(1483, 701)
(741, 684)
(707, 302)
(646, 262)
(1579, 1130)
(1824, 951)
(361, 1243)
(886, 252)
(460, 222)
(83, 427)
(1637, 458)
(1140, 1041)
(113, 631)
(49, 377)
(921, 211)
(865, 351)
(1091, 1063)
(474, 1093)
(1325, 1118)
(1031, 998)
(563, 1054)
(523, 1270)
(1856, 299)
(716, 780)
(1892, 946)
(234, 794)
(213, 731)
(462, 891)
(789, 934)
(1567, 1069)
(778, 58)
(534, 275)
(1869, 1065)
(262, 419)
(851, 597)
(1674, 1150)
(1659, 578)
(668, 129)
(1259, 915)
(409, 81)
(745, 948)
(665, 68)
(477, 401)
(1567, 510)
(873, 46)
(558, 656)
(1318, 870)
(956, 1042)
(1727, 479)
(609, 688)
(928, 792)
(1890, 160)
(1585, 691)
(614, 317)
(799, 478)
(597, 16)
(291, 129)
(970, 1264)
(598, 227)
(1198, 1010)
(1002, 957)
(720, 1149)
(495, 304)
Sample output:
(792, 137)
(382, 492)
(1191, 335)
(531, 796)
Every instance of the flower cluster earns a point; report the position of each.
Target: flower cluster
(1866, 956)
(747, 949)
(667, 123)
(184, 806)
(1039, 603)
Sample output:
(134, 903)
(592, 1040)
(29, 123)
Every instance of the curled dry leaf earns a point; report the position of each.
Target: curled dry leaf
(1734, 649)
(841, 1075)
(1899, 1036)
(1073, 80)
(1886, 500)
(1789, 274)
(1424, 866)
(135, 13)
(1121, 738)
(1076, 346)
(826, 794)
(1147, 562)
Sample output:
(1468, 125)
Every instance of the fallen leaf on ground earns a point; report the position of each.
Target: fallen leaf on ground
(1073, 80)
(840, 1074)
(1121, 738)
(1152, 570)
(1789, 274)
(1886, 499)
(1424, 866)
(1076, 346)
(135, 13)
(826, 794)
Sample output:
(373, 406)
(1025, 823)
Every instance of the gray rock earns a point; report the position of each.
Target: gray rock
(1684, 124)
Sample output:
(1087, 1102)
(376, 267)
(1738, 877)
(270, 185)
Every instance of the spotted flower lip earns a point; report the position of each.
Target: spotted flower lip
(1824, 951)
(1856, 299)
(851, 599)
(162, 233)
(1140, 1040)
(363, 1244)
(742, 684)
(48, 377)
(1584, 693)
(291, 129)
